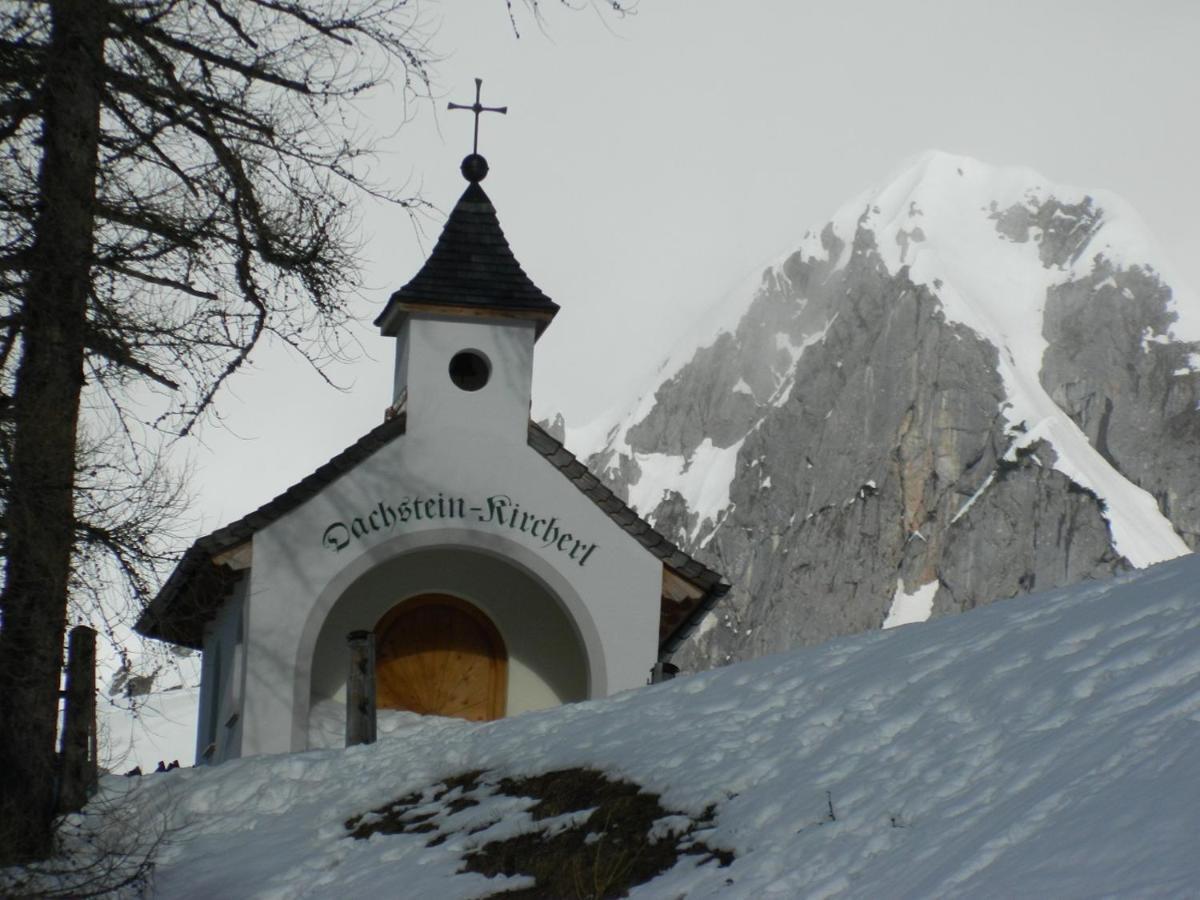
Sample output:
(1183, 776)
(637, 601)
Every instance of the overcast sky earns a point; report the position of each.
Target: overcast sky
(648, 164)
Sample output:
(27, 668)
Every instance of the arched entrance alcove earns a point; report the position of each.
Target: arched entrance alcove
(546, 663)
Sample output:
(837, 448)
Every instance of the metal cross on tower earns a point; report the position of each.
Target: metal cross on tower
(477, 108)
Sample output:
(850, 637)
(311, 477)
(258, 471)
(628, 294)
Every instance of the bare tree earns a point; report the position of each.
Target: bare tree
(175, 186)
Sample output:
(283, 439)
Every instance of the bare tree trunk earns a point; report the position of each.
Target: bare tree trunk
(40, 514)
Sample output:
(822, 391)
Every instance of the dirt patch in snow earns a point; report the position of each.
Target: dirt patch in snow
(577, 833)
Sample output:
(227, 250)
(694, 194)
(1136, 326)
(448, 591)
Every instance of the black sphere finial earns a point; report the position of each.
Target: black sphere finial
(474, 168)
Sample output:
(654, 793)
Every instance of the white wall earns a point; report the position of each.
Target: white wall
(463, 476)
(222, 672)
(424, 349)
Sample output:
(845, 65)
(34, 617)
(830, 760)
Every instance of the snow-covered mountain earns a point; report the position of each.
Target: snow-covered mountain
(1041, 747)
(970, 383)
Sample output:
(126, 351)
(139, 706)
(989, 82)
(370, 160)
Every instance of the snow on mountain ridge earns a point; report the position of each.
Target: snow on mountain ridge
(719, 317)
(958, 188)
(703, 479)
(998, 288)
(941, 220)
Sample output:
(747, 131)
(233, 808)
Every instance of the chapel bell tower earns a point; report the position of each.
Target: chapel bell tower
(465, 325)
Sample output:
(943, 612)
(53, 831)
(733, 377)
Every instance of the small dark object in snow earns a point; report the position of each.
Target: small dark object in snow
(136, 770)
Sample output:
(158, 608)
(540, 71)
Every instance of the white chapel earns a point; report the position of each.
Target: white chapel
(495, 573)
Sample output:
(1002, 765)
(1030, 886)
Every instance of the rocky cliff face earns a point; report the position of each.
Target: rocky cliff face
(969, 384)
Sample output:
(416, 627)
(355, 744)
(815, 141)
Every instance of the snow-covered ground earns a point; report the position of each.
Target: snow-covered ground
(1041, 746)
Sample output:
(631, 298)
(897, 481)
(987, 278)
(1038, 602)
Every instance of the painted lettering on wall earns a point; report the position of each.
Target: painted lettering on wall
(498, 511)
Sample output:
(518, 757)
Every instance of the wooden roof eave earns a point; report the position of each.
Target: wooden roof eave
(390, 322)
(675, 637)
(197, 588)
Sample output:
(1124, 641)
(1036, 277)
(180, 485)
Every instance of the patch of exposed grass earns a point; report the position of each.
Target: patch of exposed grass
(620, 836)
(406, 815)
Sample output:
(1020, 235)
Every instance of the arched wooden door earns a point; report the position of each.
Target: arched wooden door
(439, 655)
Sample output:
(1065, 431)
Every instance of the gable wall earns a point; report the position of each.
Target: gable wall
(306, 560)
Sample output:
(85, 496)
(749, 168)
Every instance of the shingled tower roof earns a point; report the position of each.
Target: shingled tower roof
(472, 269)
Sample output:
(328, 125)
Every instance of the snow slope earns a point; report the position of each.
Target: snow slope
(1040, 746)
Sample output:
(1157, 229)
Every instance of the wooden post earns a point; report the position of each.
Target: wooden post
(360, 689)
(77, 751)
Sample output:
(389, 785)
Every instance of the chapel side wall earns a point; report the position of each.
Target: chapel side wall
(221, 675)
(206, 720)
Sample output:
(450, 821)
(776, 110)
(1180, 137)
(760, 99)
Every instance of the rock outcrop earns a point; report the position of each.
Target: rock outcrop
(965, 380)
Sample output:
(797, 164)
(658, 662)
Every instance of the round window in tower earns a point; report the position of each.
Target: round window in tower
(469, 370)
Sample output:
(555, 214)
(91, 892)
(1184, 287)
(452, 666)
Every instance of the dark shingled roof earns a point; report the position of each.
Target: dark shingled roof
(198, 587)
(472, 268)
